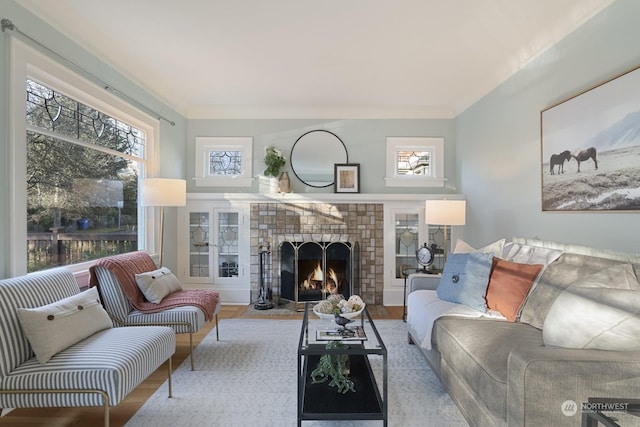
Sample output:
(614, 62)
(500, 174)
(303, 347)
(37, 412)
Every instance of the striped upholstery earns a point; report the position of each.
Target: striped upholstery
(30, 291)
(118, 306)
(114, 360)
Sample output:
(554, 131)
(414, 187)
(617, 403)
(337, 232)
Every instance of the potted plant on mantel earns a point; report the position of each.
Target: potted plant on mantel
(274, 160)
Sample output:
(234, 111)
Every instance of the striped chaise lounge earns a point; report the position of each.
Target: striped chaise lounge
(98, 370)
(114, 277)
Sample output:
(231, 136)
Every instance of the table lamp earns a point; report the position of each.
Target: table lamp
(445, 213)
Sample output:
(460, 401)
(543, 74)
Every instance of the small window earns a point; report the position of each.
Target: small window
(224, 161)
(415, 162)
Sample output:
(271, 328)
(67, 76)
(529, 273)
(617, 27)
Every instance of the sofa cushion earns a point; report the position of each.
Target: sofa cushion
(157, 284)
(115, 360)
(581, 249)
(56, 326)
(465, 278)
(590, 314)
(528, 254)
(555, 278)
(478, 351)
(596, 318)
(618, 276)
(509, 285)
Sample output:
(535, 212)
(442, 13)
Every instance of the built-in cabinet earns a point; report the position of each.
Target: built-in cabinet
(214, 249)
(404, 233)
(214, 240)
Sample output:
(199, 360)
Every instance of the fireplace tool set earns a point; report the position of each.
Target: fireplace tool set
(265, 299)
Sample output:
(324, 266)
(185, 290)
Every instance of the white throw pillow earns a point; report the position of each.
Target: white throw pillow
(59, 325)
(600, 312)
(495, 248)
(157, 284)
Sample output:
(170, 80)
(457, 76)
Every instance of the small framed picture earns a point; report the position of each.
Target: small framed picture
(347, 177)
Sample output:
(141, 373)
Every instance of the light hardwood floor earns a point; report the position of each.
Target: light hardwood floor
(82, 417)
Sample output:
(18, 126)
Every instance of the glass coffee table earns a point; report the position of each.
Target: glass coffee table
(323, 402)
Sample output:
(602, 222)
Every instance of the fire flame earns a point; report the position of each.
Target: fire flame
(316, 277)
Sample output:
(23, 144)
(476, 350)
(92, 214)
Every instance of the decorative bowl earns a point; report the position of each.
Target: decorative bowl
(330, 316)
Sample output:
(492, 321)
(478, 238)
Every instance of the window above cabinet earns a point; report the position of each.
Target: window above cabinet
(224, 161)
(415, 162)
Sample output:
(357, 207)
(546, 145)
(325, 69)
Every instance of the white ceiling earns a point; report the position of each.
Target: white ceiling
(316, 59)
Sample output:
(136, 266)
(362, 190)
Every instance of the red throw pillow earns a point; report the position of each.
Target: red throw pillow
(509, 284)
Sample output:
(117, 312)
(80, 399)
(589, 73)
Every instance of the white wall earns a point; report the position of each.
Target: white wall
(498, 139)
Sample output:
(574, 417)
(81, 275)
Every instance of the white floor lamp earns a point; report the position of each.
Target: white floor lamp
(445, 212)
(163, 192)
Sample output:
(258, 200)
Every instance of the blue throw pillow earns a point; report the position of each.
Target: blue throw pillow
(465, 279)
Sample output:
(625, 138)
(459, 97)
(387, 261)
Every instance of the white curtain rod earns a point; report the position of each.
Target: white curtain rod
(8, 25)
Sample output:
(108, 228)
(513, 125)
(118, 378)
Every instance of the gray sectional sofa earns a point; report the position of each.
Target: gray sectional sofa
(557, 355)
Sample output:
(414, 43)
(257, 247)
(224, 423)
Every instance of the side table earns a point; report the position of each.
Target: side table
(406, 273)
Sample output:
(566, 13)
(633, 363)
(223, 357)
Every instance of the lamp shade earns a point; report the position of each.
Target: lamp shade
(163, 192)
(445, 212)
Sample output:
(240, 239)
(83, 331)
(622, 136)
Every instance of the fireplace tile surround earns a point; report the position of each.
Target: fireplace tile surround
(276, 222)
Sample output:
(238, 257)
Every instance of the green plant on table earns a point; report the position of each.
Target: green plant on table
(336, 367)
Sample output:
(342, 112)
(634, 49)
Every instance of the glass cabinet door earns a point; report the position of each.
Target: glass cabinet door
(199, 253)
(214, 248)
(436, 242)
(226, 254)
(407, 233)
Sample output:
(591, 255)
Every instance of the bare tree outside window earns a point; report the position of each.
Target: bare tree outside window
(82, 181)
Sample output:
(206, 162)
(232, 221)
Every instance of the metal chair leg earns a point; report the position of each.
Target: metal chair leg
(191, 347)
(170, 369)
(217, 334)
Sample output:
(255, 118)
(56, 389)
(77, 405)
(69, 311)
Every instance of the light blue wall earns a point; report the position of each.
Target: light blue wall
(365, 140)
(498, 139)
(492, 149)
(172, 138)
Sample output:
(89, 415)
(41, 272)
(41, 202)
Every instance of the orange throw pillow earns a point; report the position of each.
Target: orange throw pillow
(509, 284)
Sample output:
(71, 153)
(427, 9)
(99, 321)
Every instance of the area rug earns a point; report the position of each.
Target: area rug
(248, 378)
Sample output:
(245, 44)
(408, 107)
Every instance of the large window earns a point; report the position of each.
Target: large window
(83, 155)
(82, 180)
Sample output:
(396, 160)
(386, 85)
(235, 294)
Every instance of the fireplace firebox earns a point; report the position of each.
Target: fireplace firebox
(311, 271)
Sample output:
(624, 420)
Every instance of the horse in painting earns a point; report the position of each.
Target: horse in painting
(559, 159)
(582, 155)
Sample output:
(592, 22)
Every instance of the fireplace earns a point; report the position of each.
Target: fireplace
(311, 271)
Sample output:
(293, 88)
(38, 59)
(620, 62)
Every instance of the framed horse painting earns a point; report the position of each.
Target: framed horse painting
(591, 148)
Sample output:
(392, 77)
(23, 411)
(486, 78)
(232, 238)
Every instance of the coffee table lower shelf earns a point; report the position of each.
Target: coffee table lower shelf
(322, 402)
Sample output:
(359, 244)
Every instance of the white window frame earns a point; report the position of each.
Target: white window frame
(207, 144)
(435, 147)
(27, 62)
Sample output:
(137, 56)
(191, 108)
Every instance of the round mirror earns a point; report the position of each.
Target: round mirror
(314, 155)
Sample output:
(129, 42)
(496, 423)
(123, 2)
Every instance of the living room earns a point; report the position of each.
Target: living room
(492, 144)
